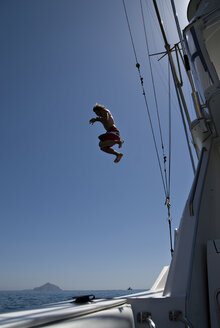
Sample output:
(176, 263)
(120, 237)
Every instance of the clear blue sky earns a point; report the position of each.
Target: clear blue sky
(69, 215)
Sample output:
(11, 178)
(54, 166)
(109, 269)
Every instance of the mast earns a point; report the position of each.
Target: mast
(176, 83)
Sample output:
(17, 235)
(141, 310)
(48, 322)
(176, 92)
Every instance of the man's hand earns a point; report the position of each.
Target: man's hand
(92, 121)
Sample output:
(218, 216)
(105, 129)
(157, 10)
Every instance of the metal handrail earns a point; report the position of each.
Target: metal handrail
(178, 316)
(150, 323)
(186, 322)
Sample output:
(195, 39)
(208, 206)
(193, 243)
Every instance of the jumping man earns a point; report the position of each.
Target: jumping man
(112, 136)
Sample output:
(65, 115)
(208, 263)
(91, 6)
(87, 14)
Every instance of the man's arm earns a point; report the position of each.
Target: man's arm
(93, 120)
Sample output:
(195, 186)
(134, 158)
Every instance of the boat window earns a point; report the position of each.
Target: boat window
(211, 36)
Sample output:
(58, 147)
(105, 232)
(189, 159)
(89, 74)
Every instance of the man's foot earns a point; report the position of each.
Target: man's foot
(118, 158)
(120, 143)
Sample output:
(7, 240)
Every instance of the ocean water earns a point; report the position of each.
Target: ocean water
(24, 300)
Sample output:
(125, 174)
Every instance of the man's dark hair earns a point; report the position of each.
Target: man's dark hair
(98, 106)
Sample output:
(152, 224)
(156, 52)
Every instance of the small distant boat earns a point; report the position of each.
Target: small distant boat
(129, 288)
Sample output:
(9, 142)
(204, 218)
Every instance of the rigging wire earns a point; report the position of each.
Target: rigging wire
(165, 179)
(129, 28)
(160, 73)
(169, 173)
(155, 98)
(170, 126)
(145, 98)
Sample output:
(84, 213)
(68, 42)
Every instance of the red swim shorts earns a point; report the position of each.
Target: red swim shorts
(112, 134)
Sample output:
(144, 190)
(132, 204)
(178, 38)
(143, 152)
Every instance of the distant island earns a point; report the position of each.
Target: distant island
(47, 287)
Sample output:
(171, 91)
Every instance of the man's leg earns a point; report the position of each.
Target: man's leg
(120, 143)
(106, 147)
